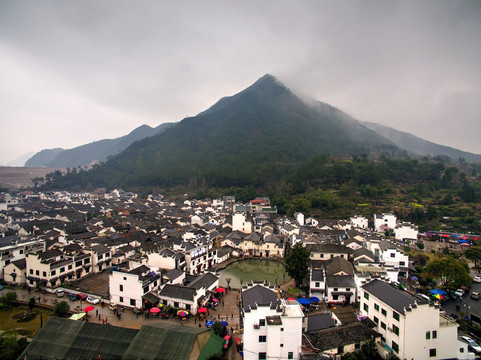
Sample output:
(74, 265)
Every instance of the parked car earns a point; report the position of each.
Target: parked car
(92, 300)
(475, 295)
(477, 278)
(472, 344)
(59, 292)
(81, 296)
(459, 293)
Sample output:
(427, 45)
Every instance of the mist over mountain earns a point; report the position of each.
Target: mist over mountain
(95, 152)
(419, 146)
(262, 133)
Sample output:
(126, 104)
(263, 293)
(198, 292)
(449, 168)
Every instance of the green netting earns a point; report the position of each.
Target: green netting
(215, 345)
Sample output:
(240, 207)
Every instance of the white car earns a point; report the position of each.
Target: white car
(472, 344)
(477, 278)
(459, 293)
(92, 300)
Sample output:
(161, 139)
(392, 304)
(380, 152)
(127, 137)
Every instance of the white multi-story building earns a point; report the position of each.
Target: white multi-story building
(382, 222)
(406, 231)
(128, 287)
(241, 222)
(13, 248)
(409, 327)
(272, 328)
(359, 221)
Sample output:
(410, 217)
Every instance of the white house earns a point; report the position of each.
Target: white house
(13, 248)
(241, 222)
(272, 328)
(359, 221)
(410, 327)
(406, 231)
(382, 222)
(128, 287)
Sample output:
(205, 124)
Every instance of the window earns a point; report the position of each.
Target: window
(336, 289)
(393, 255)
(357, 346)
(428, 335)
(262, 356)
(376, 320)
(376, 307)
(121, 287)
(62, 269)
(31, 271)
(100, 257)
(176, 304)
(70, 267)
(383, 325)
(432, 352)
(44, 274)
(317, 284)
(384, 312)
(282, 329)
(402, 263)
(132, 302)
(282, 345)
(340, 349)
(87, 261)
(366, 296)
(366, 308)
(348, 289)
(262, 338)
(53, 272)
(121, 299)
(37, 272)
(312, 255)
(262, 322)
(435, 334)
(290, 355)
(322, 255)
(395, 347)
(395, 315)
(395, 330)
(187, 307)
(78, 263)
(335, 297)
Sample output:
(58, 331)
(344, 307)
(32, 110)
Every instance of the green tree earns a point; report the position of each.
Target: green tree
(8, 298)
(474, 254)
(453, 273)
(297, 263)
(10, 347)
(31, 303)
(61, 309)
(219, 329)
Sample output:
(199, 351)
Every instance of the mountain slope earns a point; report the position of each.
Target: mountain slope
(259, 134)
(94, 152)
(42, 158)
(419, 146)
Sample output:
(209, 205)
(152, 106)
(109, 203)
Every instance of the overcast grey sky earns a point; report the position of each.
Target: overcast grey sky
(73, 72)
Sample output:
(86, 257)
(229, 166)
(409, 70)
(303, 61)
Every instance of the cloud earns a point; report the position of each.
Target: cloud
(91, 70)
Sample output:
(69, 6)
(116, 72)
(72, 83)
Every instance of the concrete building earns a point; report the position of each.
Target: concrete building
(409, 327)
(272, 328)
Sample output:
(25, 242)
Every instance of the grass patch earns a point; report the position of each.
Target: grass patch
(29, 328)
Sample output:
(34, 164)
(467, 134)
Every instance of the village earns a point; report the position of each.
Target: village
(137, 261)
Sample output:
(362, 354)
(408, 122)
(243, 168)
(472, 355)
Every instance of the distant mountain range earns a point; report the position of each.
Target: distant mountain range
(92, 153)
(259, 135)
(419, 146)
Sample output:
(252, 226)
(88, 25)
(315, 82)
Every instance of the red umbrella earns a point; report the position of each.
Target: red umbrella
(201, 310)
(154, 310)
(89, 308)
(220, 290)
(290, 299)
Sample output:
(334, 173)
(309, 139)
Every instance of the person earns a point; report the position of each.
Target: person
(96, 312)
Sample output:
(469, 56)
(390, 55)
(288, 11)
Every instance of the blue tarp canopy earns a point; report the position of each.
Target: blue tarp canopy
(304, 301)
(437, 292)
(314, 299)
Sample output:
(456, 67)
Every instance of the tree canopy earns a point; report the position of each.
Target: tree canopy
(297, 263)
(451, 272)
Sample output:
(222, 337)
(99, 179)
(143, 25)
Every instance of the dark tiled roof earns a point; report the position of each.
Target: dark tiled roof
(319, 322)
(395, 298)
(336, 337)
(203, 281)
(340, 281)
(258, 295)
(317, 275)
(178, 292)
(337, 265)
